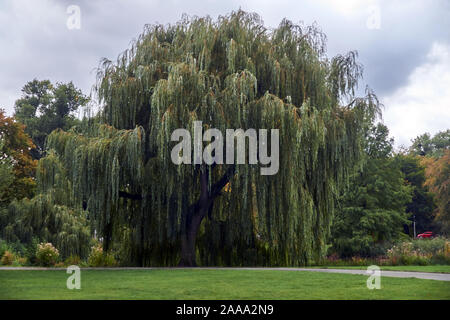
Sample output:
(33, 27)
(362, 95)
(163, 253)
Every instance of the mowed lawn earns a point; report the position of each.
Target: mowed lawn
(212, 284)
(433, 268)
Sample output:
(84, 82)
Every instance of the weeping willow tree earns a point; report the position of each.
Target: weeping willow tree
(51, 216)
(229, 73)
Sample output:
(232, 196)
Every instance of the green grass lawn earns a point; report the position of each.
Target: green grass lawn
(435, 268)
(212, 284)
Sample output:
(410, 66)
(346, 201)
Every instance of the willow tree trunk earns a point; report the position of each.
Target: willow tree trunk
(194, 218)
(188, 251)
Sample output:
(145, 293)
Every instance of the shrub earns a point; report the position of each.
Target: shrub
(30, 251)
(441, 258)
(7, 258)
(109, 260)
(333, 260)
(420, 252)
(14, 248)
(97, 258)
(46, 254)
(72, 261)
(21, 261)
(3, 247)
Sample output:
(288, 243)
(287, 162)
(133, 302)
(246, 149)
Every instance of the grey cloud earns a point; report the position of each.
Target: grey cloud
(41, 46)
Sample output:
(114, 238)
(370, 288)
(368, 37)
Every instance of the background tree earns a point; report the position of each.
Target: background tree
(425, 145)
(6, 176)
(371, 213)
(50, 216)
(432, 154)
(44, 107)
(437, 174)
(229, 73)
(15, 151)
(421, 208)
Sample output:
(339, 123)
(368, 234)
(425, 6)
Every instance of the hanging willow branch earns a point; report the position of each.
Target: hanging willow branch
(51, 216)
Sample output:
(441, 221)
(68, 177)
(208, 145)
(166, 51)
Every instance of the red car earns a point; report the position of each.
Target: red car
(427, 234)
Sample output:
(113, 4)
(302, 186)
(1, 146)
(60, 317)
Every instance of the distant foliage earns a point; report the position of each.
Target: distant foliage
(420, 252)
(425, 145)
(15, 147)
(371, 213)
(437, 174)
(45, 107)
(6, 175)
(421, 208)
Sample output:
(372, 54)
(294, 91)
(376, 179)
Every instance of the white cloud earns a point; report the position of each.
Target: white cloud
(423, 104)
(348, 7)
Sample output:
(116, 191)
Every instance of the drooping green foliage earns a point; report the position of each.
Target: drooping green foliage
(51, 216)
(230, 73)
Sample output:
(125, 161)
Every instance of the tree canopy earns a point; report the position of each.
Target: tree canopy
(6, 176)
(229, 73)
(432, 155)
(15, 157)
(371, 214)
(422, 207)
(437, 174)
(44, 107)
(425, 145)
(50, 216)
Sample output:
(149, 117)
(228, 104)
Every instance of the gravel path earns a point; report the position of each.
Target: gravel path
(396, 274)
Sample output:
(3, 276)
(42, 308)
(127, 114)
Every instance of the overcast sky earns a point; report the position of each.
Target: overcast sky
(404, 45)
